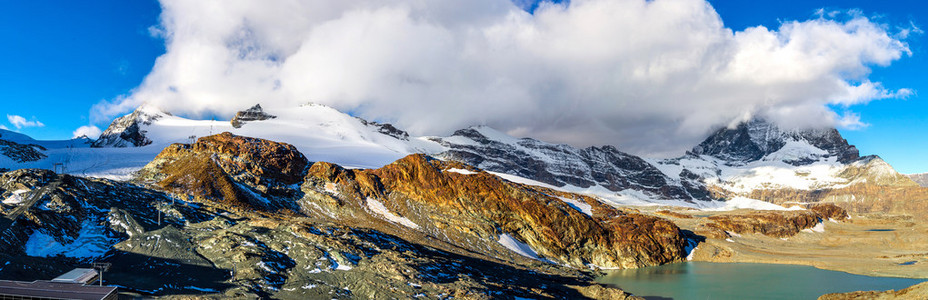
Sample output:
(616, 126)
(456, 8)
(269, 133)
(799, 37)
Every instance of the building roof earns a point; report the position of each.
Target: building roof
(55, 290)
(79, 275)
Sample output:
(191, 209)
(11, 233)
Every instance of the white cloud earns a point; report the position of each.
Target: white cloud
(652, 77)
(19, 122)
(4, 127)
(88, 131)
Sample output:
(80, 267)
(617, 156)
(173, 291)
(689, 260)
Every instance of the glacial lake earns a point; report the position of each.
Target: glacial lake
(704, 280)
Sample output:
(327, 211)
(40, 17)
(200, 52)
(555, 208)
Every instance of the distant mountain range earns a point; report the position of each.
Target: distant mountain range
(309, 202)
(921, 179)
(731, 163)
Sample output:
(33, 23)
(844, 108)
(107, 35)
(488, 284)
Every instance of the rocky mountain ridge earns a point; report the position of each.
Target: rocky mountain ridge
(129, 130)
(255, 113)
(756, 139)
(750, 160)
(19, 152)
(560, 165)
(921, 179)
(478, 209)
(172, 237)
(253, 215)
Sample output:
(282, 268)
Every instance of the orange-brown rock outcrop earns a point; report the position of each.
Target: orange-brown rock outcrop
(461, 204)
(230, 169)
(918, 291)
(776, 223)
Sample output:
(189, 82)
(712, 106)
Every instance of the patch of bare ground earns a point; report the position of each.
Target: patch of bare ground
(918, 291)
(873, 244)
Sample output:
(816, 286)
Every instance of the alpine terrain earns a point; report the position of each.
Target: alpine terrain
(309, 202)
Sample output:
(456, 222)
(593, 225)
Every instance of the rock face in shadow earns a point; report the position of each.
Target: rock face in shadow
(127, 131)
(21, 153)
(255, 113)
(239, 171)
(75, 221)
(918, 291)
(921, 179)
(559, 165)
(751, 141)
(874, 187)
(775, 223)
(464, 205)
(161, 246)
(387, 129)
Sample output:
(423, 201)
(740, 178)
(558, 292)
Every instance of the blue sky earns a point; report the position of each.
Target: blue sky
(62, 57)
(897, 130)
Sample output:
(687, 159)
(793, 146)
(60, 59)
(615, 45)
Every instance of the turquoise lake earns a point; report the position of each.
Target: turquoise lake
(703, 280)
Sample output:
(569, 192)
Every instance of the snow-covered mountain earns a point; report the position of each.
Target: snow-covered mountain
(321, 132)
(758, 158)
(921, 179)
(732, 163)
(560, 165)
(241, 217)
(19, 151)
(325, 134)
(761, 140)
(133, 140)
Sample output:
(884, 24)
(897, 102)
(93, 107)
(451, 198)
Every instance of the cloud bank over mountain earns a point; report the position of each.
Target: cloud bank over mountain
(653, 77)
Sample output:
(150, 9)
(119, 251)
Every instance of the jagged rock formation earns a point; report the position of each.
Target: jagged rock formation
(921, 179)
(758, 160)
(255, 113)
(240, 171)
(872, 186)
(561, 165)
(387, 129)
(127, 130)
(162, 244)
(751, 141)
(74, 221)
(918, 291)
(466, 206)
(19, 152)
(774, 223)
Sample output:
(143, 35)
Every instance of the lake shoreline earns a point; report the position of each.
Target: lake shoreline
(872, 244)
(692, 280)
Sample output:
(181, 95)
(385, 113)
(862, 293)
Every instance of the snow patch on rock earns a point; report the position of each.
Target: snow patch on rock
(820, 227)
(15, 197)
(382, 210)
(90, 242)
(748, 203)
(518, 247)
(461, 171)
(579, 205)
(331, 188)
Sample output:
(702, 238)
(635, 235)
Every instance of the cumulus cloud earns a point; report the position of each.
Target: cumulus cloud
(653, 77)
(88, 131)
(20, 122)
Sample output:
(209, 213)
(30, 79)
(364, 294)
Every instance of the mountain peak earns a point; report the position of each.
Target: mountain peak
(127, 130)
(255, 113)
(759, 139)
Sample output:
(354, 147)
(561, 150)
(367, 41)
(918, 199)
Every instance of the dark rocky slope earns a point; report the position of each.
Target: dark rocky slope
(915, 292)
(779, 224)
(128, 130)
(18, 151)
(254, 113)
(751, 141)
(475, 209)
(237, 171)
(179, 231)
(560, 165)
